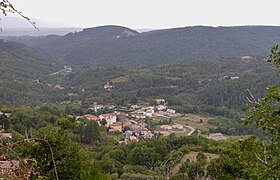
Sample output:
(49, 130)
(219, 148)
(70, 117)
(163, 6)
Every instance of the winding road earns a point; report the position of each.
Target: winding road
(191, 128)
(184, 130)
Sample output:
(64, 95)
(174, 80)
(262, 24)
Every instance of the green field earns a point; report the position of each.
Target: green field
(203, 127)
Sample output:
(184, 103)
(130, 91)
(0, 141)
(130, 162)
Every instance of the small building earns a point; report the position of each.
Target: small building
(110, 118)
(138, 116)
(178, 126)
(96, 107)
(160, 101)
(108, 106)
(6, 135)
(161, 107)
(107, 86)
(9, 167)
(133, 139)
(166, 127)
(217, 136)
(134, 107)
(146, 133)
(117, 126)
(90, 117)
(149, 113)
(171, 111)
(8, 115)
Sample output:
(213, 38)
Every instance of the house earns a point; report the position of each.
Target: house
(6, 135)
(146, 133)
(175, 115)
(125, 121)
(107, 86)
(161, 107)
(160, 101)
(117, 126)
(134, 107)
(216, 136)
(108, 106)
(136, 129)
(166, 127)
(9, 167)
(138, 116)
(97, 107)
(133, 139)
(110, 118)
(149, 113)
(90, 117)
(5, 114)
(178, 126)
(171, 111)
(139, 111)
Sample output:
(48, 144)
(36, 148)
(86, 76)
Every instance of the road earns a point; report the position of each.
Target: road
(191, 128)
(184, 130)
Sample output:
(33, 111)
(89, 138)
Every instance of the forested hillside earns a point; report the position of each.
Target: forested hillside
(18, 62)
(23, 71)
(120, 46)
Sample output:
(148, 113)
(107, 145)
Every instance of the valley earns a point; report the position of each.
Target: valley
(163, 104)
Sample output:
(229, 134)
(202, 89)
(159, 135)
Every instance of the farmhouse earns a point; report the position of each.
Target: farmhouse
(110, 118)
(90, 117)
(117, 126)
(217, 136)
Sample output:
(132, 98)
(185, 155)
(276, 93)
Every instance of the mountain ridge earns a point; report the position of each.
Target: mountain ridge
(121, 46)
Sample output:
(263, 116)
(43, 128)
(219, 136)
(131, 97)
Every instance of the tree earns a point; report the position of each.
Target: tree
(144, 156)
(94, 172)
(103, 122)
(7, 7)
(56, 155)
(91, 132)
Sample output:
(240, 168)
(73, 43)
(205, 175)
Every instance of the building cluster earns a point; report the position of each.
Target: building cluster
(132, 123)
(160, 109)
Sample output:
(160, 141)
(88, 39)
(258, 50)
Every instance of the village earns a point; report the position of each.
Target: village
(132, 122)
(137, 122)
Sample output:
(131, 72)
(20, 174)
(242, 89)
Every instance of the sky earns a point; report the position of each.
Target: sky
(151, 14)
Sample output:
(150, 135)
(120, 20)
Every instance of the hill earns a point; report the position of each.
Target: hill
(121, 46)
(19, 62)
(23, 72)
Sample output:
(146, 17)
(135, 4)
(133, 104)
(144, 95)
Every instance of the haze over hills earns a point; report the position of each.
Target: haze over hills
(14, 26)
(121, 46)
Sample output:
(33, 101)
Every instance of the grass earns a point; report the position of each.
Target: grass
(173, 78)
(238, 137)
(203, 127)
(120, 79)
(158, 118)
(192, 157)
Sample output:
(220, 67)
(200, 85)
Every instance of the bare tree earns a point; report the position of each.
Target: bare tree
(7, 7)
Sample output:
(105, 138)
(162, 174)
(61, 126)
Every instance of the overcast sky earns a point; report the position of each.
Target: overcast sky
(157, 14)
